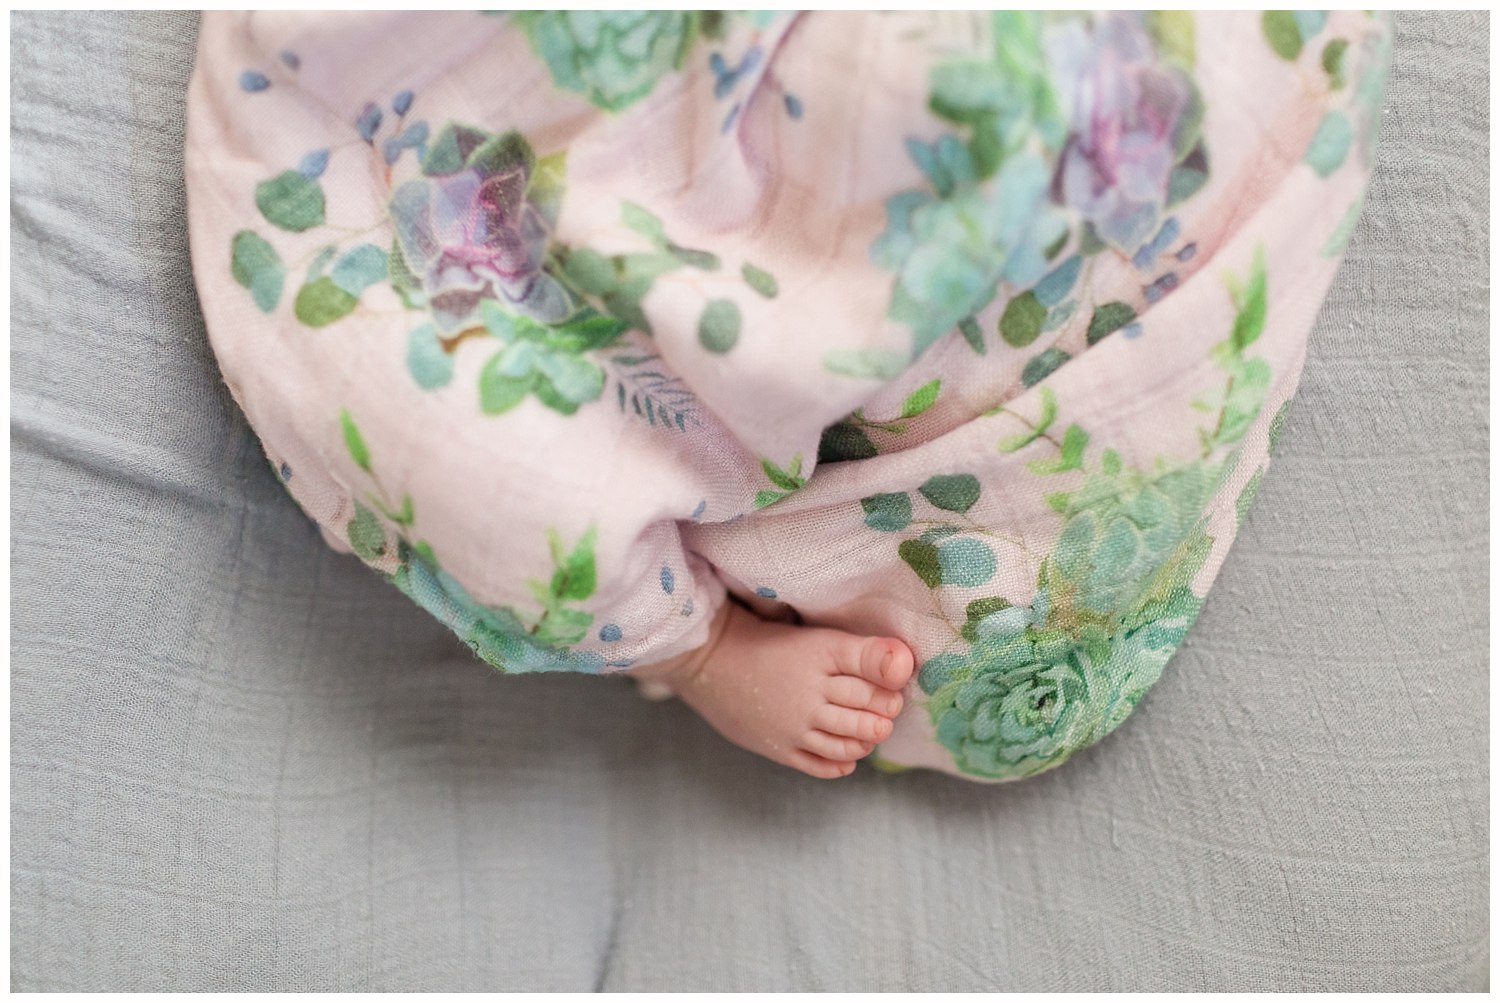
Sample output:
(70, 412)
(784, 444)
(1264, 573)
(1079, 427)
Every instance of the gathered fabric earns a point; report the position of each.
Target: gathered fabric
(970, 328)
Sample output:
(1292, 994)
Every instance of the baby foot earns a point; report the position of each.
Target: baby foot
(810, 698)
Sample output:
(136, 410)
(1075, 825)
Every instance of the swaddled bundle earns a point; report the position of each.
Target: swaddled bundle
(972, 330)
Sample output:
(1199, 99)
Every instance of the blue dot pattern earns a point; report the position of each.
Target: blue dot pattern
(668, 581)
(314, 164)
(610, 633)
(766, 592)
(254, 80)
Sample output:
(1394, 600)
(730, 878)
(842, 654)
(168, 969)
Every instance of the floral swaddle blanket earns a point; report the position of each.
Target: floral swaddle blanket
(970, 328)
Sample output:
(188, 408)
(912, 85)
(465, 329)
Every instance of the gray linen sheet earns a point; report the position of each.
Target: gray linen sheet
(242, 761)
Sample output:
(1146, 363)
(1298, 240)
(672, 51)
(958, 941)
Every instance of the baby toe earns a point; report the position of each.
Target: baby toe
(857, 724)
(861, 694)
(817, 766)
(836, 748)
(884, 661)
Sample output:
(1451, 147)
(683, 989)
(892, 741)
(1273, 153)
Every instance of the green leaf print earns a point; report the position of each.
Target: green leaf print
(1330, 144)
(291, 201)
(354, 442)
(548, 182)
(321, 302)
(922, 557)
(360, 268)
(589, 271)
(868, 363)
(430, 366)
(951, 492)
(1278, 424)
(366, 534)
(255, 265)
(920, 399)
(844, 441)
(643, 222)
(1070, 454)
(1022, 320)
(498, 391)
(969, 328)
(889, 513)
(1108, 318)
(1173, 33)
(789, 479)
(1333, 63)
(572, 378)
(1247, 392)
(965, 561)
(319, 264)
(719, 326)
(1247, 497)
(575, 577)
(1044, 421)
(1250, 304)
(1281, 30)
(1043, 366)
(759, 280)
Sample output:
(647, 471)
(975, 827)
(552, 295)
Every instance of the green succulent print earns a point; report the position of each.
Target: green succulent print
(1068, 129)
(614, 58)
(509, 639)
(1025, 686)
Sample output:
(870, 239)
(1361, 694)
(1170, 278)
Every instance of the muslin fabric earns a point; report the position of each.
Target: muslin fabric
(971, 328)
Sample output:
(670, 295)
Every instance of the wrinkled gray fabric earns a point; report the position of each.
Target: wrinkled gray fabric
(242, 761)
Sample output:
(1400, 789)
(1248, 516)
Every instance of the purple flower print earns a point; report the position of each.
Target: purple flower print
(472, 236)
(1123, 108)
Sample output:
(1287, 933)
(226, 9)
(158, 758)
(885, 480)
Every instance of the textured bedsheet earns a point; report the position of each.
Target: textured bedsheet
(240, 760)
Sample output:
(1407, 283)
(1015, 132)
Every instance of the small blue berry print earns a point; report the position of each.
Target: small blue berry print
(401, 103)
(253, 80)
(314, 164)
(1132, 331)
(286, 472)
(699, 510)
(794, 106)
(687, 607)
(368, 122)
(668, 582)
(766, 592)
(1186, 254)
(1156, 290)
(290, 59)
(1157, 244)
(610, 633)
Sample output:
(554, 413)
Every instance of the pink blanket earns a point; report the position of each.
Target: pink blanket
(971, 328)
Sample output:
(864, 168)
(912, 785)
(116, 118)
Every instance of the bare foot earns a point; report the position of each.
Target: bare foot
(807, 697)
